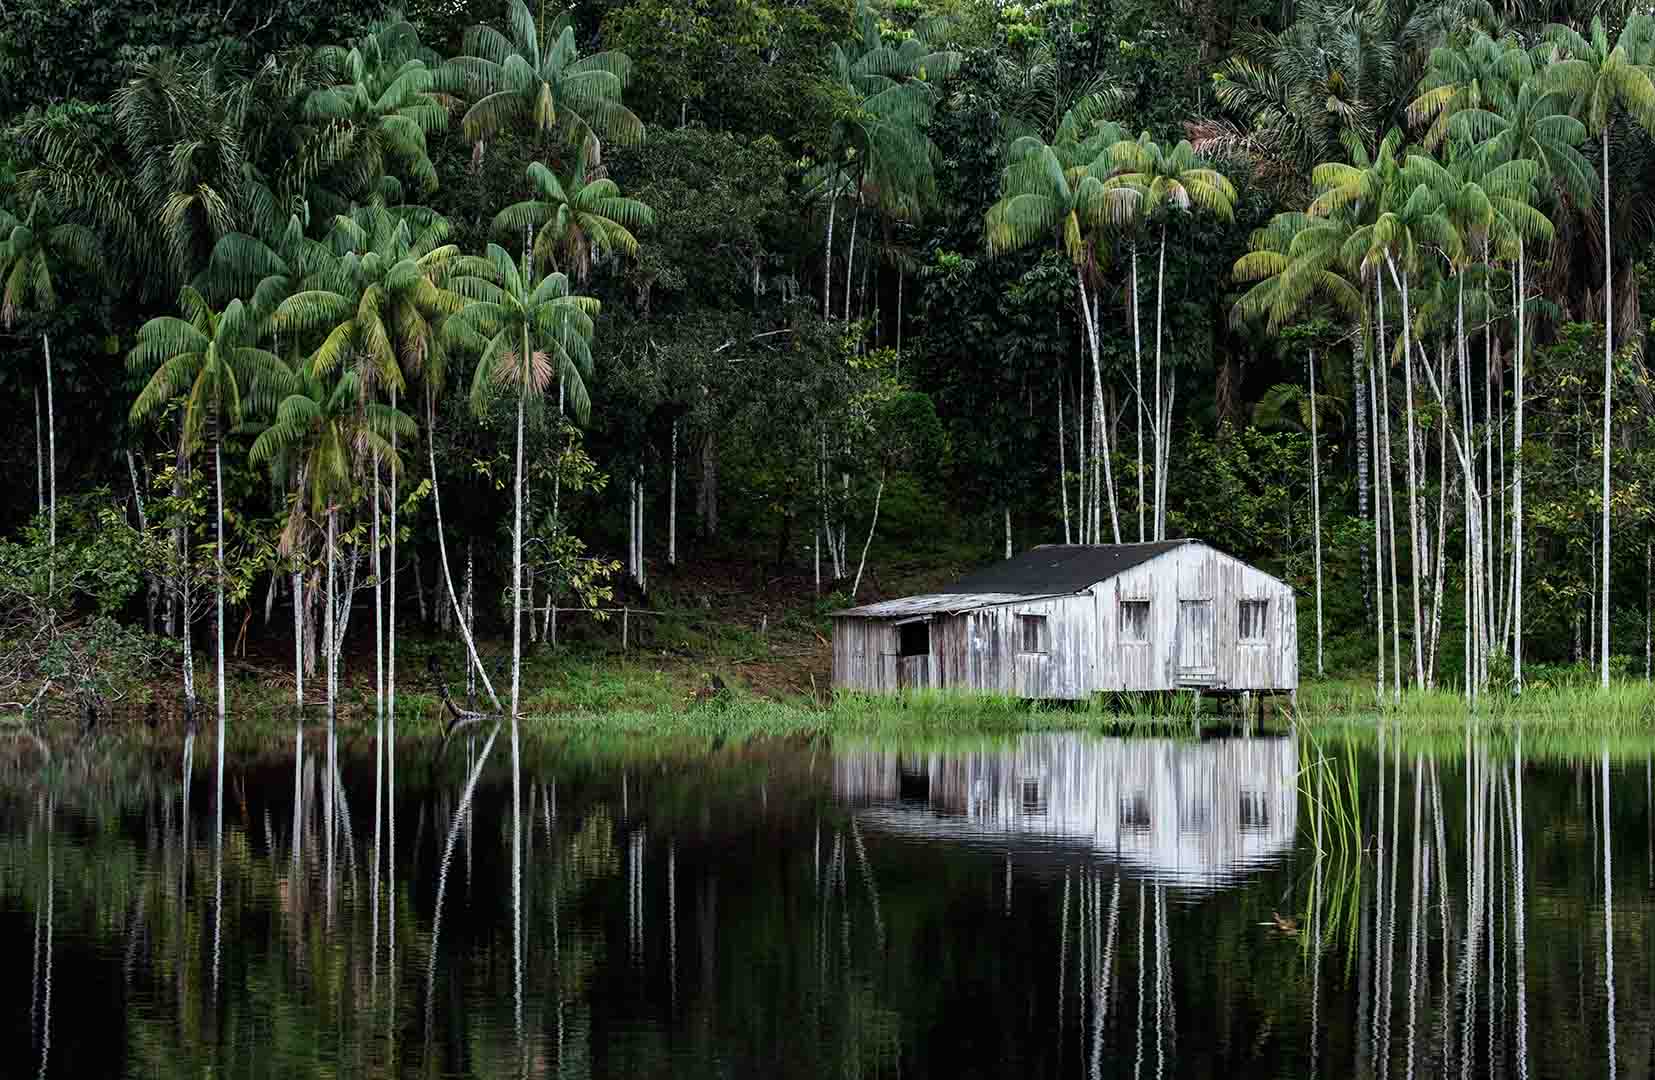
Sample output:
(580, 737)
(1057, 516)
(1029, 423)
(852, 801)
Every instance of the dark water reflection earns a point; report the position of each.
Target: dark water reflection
(1057, 905)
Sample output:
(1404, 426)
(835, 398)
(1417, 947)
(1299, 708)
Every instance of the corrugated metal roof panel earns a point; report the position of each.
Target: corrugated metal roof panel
(1057, 569)
(937, 604)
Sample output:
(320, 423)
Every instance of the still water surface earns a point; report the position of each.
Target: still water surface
(1051, 905)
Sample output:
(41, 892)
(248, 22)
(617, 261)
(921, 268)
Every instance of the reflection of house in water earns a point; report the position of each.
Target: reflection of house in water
(1179, 811)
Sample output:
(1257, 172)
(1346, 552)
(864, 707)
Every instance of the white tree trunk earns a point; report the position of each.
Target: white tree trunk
(391, 618)
(1007, 511)
(850, 254)
(1378, 545)
(442, 550)
(1100, 448)
(827, 256)
(218, 500)
(878, 494)
(1138, 389)
(1166, 457)
(1608, 389)
(51, 454)
(331, 641)
(39, 458)
(1062, 465)
(1517, 481)
(379, 619)
(1316, 508)
(517, 587)
(1390, 500)
(299, 641)
(1358, 377)
(1401, 280)
(672, 502)
(1082, 462)
(1163, 437)
(186, 591)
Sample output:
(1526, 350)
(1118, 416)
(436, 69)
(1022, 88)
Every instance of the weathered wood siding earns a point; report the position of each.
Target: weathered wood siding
(1194, 594)
(1192, 637)
(977, 650)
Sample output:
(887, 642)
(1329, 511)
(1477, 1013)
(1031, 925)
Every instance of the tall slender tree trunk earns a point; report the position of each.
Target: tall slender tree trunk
(1101, 437)
(517, 576)
(1390, 501)
(1401, 280)
(1138, 389)
(1517, 480)
(827, 255)
(1082, 462)
(218, 501)
(1062, 464)
(1358, 377)
(299, 638)
(1166, 457)
(850, 254)
(379, 623)
(862, 565)
(39, 457)
(672, 501)
(1608, 390)
(1316, 508)
(1434, 631)
(1378, 545)
(1491, 599)
(1162, 435)
(330, 639)
(442, 550)
(51, 450)
(391, 618)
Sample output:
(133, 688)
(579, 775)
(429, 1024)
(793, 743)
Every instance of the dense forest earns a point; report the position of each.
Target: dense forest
(479, 309)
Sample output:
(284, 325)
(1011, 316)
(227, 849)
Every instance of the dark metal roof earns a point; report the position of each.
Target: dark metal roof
(1060, 568)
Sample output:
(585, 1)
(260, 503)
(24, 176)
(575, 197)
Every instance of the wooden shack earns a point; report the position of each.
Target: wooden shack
(1068, 621)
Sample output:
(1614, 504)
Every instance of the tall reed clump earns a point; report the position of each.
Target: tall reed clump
(1329, 785)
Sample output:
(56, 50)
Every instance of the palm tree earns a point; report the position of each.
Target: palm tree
(1409, 219)
(1599, 78)
(208, 358)
(1533, 124)
(379, 306)
(381, 107)
(576, 215)
(1175, 181)
(323, 428)
(180, 178)
(525, 334)
(1341, 72)
(533, 78)
(33, 250)
(1058, 191)
(1480, 73)
(877, 146)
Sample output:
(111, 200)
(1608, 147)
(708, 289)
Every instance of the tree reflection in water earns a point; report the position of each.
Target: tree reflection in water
(1052, 905)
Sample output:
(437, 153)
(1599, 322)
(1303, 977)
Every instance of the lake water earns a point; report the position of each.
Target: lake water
(1050, 905)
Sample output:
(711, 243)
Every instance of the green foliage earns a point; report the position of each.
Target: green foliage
(60, 634)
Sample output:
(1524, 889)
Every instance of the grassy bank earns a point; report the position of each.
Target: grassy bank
(1625, 706)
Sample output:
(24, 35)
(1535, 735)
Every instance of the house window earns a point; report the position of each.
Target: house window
(1134, 622)
(913, 639)
(1253, 613)
(1031, 633)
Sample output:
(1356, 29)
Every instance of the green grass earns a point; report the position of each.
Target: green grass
(1626, 706)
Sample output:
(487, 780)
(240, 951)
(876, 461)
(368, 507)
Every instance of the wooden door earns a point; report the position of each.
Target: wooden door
(1196, 659)
(913, 672)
